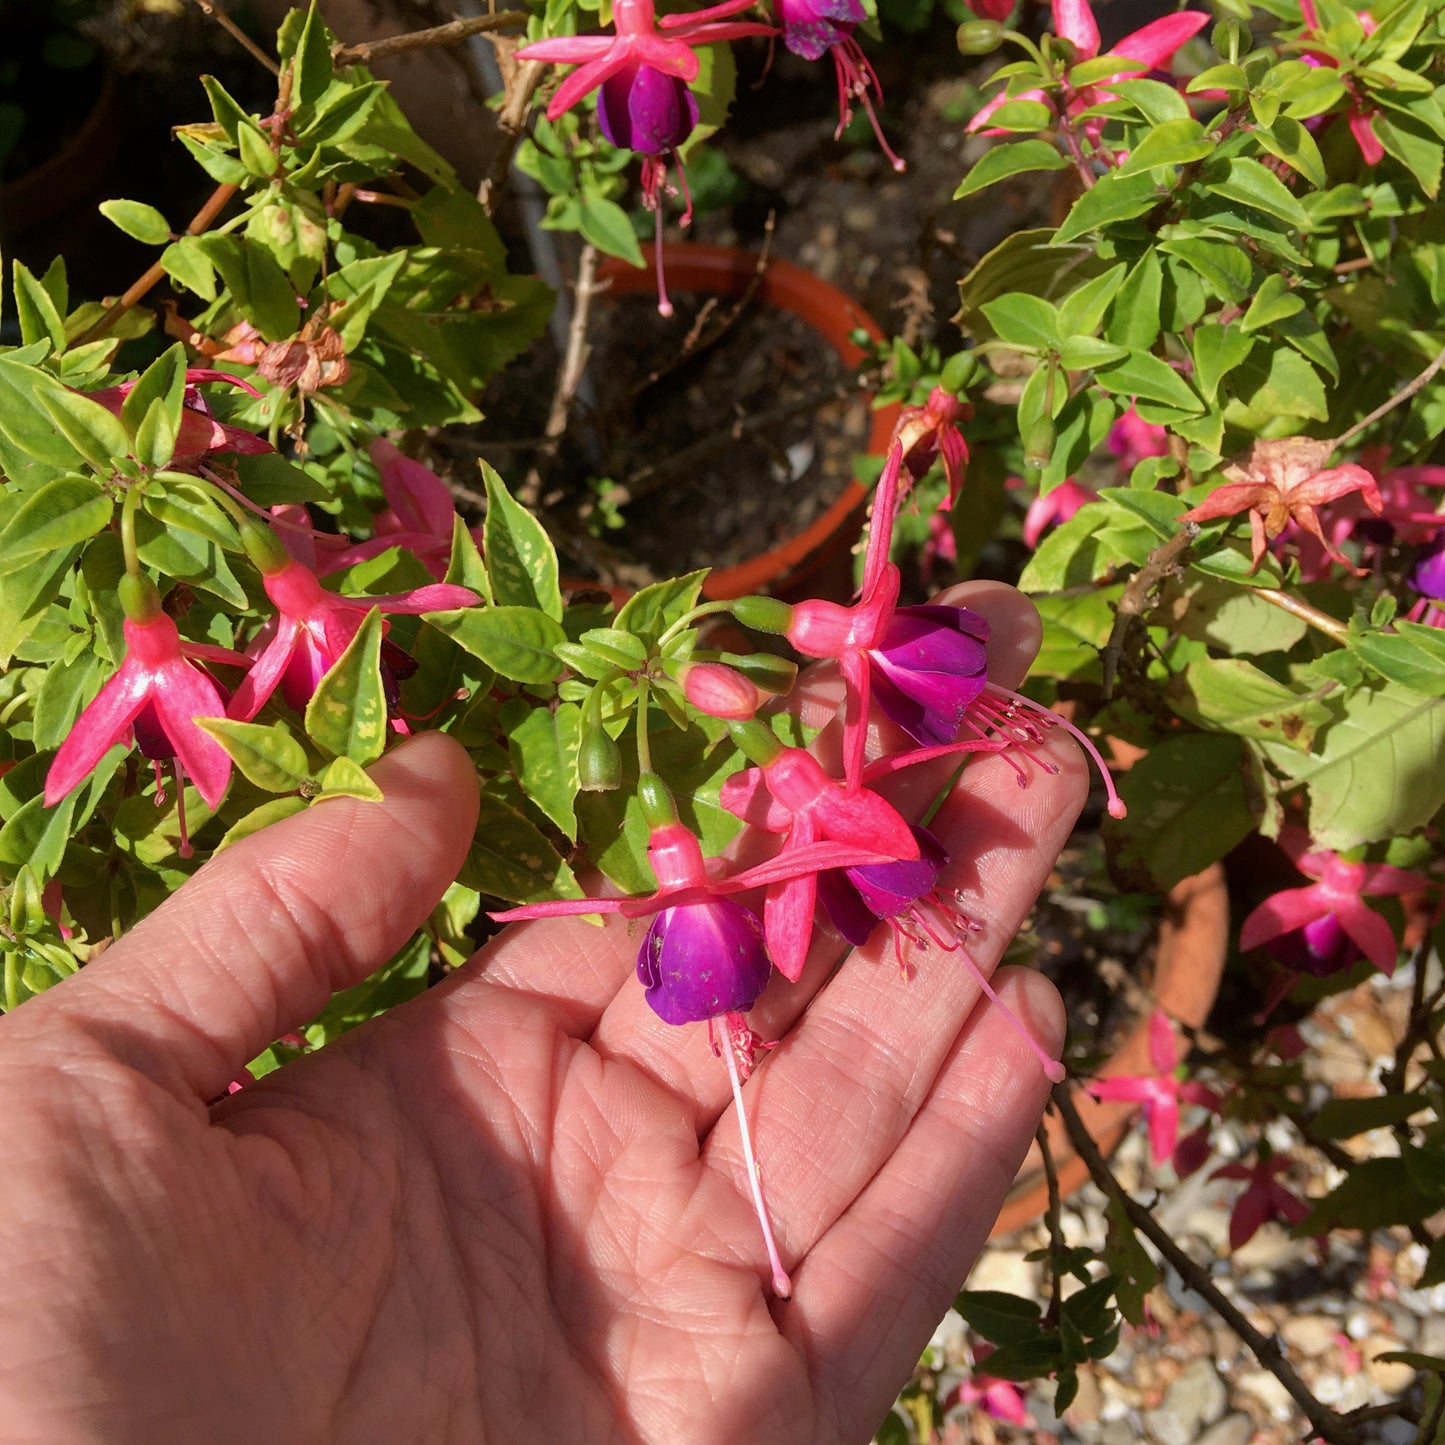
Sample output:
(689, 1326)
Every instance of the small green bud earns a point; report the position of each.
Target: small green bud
(979, 37)
(1039, 443)
(958, 372)
(599, 763)
(763, 614)
(765, 670)
(263, 547)
(658, 807)
(139, 599)
(759, 744)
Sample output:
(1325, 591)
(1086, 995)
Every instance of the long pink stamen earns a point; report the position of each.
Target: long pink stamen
(860, 79)
(686, 220)
(1117, 807)
(782, 1285)
(1053, 1069)
(664, 304)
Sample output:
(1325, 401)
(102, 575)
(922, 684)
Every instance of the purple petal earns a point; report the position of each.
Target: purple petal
(888, 889)
(845, 909)
(646, 111)
(702, 959)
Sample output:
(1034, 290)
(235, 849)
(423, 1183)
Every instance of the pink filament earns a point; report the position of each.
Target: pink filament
(856, 77)
(782, 1285)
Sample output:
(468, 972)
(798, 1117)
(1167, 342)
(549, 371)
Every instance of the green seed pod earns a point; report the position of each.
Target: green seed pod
(139, 599)
(1039, 443)
(658, 808)
(979, 37)
(263, 547)
(958, 372)
(599, 763)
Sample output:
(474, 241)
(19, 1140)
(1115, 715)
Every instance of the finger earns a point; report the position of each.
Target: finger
(578, 969)
(630, 1030)
(835, 1100)
(873, 1289)
(258, 941)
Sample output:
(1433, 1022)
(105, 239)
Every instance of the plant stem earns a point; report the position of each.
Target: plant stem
(238, 35)
(1053, 1218)
(1163, 562)
(1403, 395)
(127, 529)
(1267, 1349)
(1320, 621)
(644, 744)
(454, 32)
(199, 222)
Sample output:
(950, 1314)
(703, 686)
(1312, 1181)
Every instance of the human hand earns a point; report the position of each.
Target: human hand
(514, 1208)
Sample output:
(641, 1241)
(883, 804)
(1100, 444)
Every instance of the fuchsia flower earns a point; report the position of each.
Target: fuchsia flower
(312, 626)
(1265, 1198)
(1151, 47)
(906, 896)
(420, 514)
(931, 431)
(929, 668)
(1052, 509)
(1000, 1399)
(789, 793)
(200, 433)
(1360, 117)
(719, 690)
(701, 960)
(1161, 1092)
(1326, 927)
(157, 694)
(1131, 439)
(812, 27)
(1282, 481)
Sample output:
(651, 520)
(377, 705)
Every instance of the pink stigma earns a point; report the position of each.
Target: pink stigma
(782, 1285)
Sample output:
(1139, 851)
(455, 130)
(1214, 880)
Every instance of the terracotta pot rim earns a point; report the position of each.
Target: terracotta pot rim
(729, 271)
(1189, 965)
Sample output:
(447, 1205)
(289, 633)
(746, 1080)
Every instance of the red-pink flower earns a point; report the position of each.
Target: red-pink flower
(1327, 926)
(1152, 47)
(312, 626)
(1131, 439)
(200, 434)
(1161, 1092)
(1265, 1198)
(157, 694)
(1053, 508)
(930, 432)
(1359, 116)
(789, 793)
(1283, 481)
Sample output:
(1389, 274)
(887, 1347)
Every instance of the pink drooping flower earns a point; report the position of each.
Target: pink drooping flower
(1161, 1092)
(1283, 481)
(1151, 47)
(932, 432)
(312, 626)
(1265, 1198)
(1131, 439)
(200, 434)
(1359, 116)
(157, 694)
(812, 28)
(999, 1399)
(1053, 508)
(789, 793)
(1327, 926)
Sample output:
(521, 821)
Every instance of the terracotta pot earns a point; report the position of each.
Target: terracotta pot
(728, 271)
(1193, 941)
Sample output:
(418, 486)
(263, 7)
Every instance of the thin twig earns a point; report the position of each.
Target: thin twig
(238, 35)
(454, 32)
(201, 221)
(1320, 621)
(1054, 1220)
(1401, 396)
(1162, 563)
(1266, 1348)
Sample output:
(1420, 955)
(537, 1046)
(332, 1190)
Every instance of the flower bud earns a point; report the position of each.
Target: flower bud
(718, 690)
(1232, 38)
(139, 599)
(760, 745)
(979, 37)
(263, 547)
(960, 370)
(765, 670)
(1039, 444)
(599, 763)
(763, 614)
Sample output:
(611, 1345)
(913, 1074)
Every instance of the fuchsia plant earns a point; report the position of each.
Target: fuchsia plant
(1264, 1199)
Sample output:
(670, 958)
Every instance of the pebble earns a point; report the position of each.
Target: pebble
(1268, 1391)
(1390, 1376)
(1197, 1398)
(1232, 1430)
(1311, 1335)
(1007, 1270)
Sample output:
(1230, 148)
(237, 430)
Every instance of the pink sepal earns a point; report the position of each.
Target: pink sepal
(1362, 125)
(746, 796)
(1365, 927)
(1074, 21)
(692, 18)
(1282, 913)
(567, 49)
(587, 78)
(266, 671)
(788, 923)
(1153, 45)
(857, 674)
(208, 652)
(1163, 1047)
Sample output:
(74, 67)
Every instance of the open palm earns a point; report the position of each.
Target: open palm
(514, 1209)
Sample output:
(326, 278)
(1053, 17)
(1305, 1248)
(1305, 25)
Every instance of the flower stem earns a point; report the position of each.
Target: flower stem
(644, 744)
(127, 529)
(782, 1285)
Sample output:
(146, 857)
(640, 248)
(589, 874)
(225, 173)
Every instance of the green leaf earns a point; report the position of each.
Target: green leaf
(1081, 311)
(1274, 301)
(999, 1317)
(1158, 103)
(185, 503)
(1083, 353)
(269, 757)
(270, 479)
(1413, 146)
(1413, 656)
(1345, 1118)
(152, 411)
(185, 261)
(1223, 265)
(1296, 147)
(1022, 115)
(1228, 694)
(92, 430)
(40, 319)
(229, 115)
(346, 779)
(521, 560)
(1247, 182)
(1174, 143)
(55, 516)
(68, 686)
(510, 858)
(1004, 161)
(651, 611)
(259, 285)
(1114, 198)
(604, 223)
(1143, 374)
(1134, 319)
(311, 72)
(1187, 809)
(1233, 619)
(543, 742)
(1379, 771)
(1024, 320)
(137, 219)
(517, 642)
(347, 713)
(258, 818)
(464, 566)
(1217, 351)
(1375, 1194)
(38, 835)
